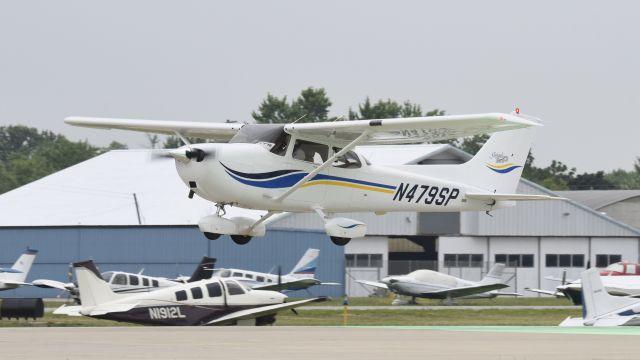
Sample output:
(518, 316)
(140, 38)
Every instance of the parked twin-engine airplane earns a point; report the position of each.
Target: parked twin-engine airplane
(204, 302)
(312, 168)
(124, 282)
(15, 276)
(301, 276)
(619, 279)
(436, 285)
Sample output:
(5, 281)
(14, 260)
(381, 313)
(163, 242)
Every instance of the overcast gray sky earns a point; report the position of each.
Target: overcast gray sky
(575, 64)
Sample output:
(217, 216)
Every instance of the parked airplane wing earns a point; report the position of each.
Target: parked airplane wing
(546, 292)
(410, 130)
(261, 311)
(207, 130)
(289, 285)
(465, 290)
(45, 283)
(19, 283)
(373, 283)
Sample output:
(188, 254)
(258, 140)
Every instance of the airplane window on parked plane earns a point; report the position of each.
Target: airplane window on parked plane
(631, 269)
(237, 274)
(196, 292)
(260, 278)
(145, 281)
(214, 289)
(106, 276)
(155, 283)
(119, 279)
(133, 280)
(248, 276)
(269, 280)
(234, 288)
(181, 295)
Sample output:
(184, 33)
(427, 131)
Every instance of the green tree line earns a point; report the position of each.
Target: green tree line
(27, 154)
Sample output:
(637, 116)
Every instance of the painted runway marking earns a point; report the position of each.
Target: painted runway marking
(615, 330)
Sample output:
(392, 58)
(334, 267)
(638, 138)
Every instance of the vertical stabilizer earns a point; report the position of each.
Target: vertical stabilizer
(93, 289)
(204, 269)
(306, 267)
(596, 301)
(494, 276)
(498, 165)
(22, 266)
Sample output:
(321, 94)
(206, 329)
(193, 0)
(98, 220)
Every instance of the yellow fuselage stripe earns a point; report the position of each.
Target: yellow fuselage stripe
(499, 166)
(355, 186)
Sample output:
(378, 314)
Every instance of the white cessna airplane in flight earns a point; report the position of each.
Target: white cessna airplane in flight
(15, 276)
(205, 302)
(312, 168)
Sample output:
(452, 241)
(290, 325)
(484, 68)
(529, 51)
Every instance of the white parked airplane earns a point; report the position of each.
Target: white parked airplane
(301, 276)
(436, 285)
(15, 276)
(312, 168)
(599, 308)
(124, 282)
(204, 302)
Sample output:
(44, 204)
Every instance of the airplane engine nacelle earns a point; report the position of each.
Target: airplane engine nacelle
(345, 228)
(234, 226)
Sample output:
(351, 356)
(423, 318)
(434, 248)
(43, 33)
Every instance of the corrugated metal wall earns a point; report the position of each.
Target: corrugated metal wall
(163, 251)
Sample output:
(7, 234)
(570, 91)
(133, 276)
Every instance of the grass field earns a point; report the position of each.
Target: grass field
(412, 317)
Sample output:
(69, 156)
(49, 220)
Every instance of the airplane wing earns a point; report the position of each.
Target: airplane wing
(464, 291)
(9, 270)
(19, 283)
(289, 285)
(373, 283)
(261, 311)
(546, 292)
(511, 197)
(45, 283)
(410, 130)
(207, 130)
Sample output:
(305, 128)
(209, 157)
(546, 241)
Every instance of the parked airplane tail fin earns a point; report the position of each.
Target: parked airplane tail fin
(596, 301)
(21, 267)
(306, 267)
(204, 269)
(494, 276)
(498, 165)
(93, 289)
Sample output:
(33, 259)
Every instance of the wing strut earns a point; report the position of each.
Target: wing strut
(324, 165)
(261, 220)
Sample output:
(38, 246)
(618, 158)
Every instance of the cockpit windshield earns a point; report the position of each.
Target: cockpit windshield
(272, 136)
(106, 276)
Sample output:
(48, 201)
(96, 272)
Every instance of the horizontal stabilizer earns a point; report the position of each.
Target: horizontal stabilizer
(45, 283)
(73, 310)
(511, 197)
(499, 293)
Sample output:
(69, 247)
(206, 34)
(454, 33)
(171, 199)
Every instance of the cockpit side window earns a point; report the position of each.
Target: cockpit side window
(234, 288)
(350, 160)
(310, 152)
(119, 279)
(106, 276)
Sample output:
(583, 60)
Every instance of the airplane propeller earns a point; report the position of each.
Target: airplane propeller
(181, 153)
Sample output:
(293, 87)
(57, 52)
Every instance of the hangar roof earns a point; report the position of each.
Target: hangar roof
(100, 191)
(597, 199)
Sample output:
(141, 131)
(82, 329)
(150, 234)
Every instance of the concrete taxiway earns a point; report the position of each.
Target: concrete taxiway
(319, 343)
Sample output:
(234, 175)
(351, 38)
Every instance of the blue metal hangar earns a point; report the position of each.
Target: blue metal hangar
(129, 213)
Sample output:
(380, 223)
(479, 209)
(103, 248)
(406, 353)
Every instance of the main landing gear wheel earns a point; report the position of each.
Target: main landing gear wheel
(240, 239)
(211, 236)
(340, 241)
